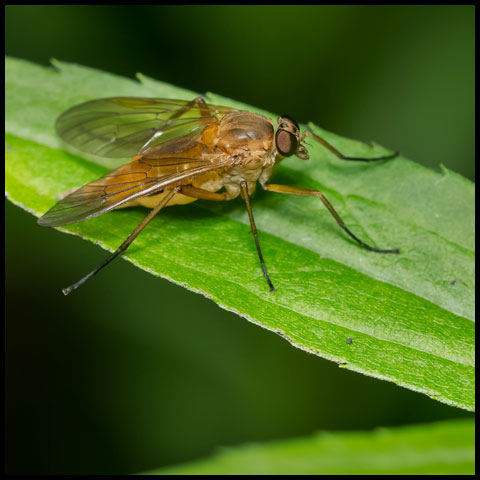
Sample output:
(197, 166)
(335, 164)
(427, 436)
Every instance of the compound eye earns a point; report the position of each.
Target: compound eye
(286, 143)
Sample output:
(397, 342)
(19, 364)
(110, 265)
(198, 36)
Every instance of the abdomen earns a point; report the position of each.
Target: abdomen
(211, 181)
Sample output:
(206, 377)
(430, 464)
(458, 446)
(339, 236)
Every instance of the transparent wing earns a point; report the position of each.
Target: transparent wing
(141, 177)
(122, 127)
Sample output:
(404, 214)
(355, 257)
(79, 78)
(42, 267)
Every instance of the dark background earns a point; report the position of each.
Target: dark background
(131, 372)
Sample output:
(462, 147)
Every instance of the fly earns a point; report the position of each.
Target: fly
(182, 151)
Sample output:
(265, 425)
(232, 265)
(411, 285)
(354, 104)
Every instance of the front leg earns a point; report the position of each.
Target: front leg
(341, 155)
(316, 193)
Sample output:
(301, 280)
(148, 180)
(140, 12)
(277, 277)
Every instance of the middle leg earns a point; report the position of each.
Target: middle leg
(245, 196)
(218, 197)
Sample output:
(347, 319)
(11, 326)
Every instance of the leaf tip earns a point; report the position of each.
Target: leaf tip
(56, 64)
(444, 169)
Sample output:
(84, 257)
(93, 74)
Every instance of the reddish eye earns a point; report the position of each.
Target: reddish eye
(286, 143)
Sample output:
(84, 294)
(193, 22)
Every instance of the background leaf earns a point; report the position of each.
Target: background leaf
(444, 448)
(410, 316)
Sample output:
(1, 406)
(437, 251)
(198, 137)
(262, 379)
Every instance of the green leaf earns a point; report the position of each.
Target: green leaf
(446, 448)
(409, 316)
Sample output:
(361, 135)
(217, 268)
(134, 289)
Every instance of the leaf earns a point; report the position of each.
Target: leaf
(409, 316)
(444, 448)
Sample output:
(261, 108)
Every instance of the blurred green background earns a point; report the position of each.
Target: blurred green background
(131, 372)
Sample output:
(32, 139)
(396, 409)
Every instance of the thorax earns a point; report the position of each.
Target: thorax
(248, 138)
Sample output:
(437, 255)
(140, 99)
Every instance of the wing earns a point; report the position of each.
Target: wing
(143, 176)
(126, 126)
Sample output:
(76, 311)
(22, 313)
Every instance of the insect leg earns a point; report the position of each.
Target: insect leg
(126, 243)
(316, 193)
(343, 157)
(203, 107)
(194, 192)
(244, 190)
(204, 112)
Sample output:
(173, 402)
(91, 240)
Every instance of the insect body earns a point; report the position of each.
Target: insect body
(182, 151)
